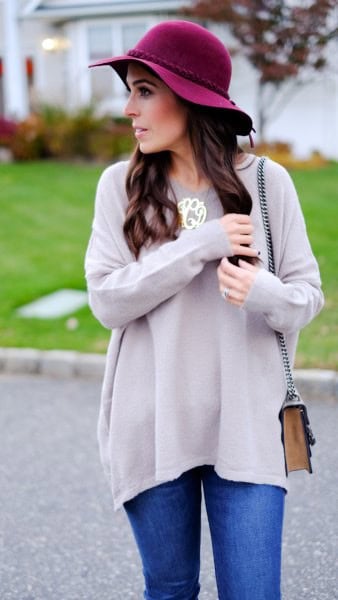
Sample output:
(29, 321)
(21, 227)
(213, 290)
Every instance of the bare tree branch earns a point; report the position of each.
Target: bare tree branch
(284, 41)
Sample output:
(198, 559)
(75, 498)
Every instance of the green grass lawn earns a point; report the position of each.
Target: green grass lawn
(46, 212)
(318, 191)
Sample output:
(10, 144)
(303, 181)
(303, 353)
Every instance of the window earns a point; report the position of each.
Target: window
(105, 40)
(131, 33)
(100, 41)
(100, 46)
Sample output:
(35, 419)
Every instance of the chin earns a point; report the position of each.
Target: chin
(150, 148)
(147, 150)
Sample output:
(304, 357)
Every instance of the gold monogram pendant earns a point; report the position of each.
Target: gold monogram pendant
(192, 212)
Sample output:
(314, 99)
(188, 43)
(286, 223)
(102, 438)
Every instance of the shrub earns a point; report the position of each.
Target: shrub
(7, 131)
(53, 133)
(28, 141)
(282, 153)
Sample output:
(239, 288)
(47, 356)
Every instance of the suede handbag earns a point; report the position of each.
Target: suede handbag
(297, 436)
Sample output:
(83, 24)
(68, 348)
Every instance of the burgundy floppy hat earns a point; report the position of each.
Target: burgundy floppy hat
(191, 61)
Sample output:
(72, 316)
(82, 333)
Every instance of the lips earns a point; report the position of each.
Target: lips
(140, 132)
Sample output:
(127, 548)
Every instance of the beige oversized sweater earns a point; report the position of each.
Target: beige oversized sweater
(191, 379)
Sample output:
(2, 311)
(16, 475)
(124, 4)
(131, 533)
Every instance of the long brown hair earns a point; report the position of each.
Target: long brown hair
(151, 215)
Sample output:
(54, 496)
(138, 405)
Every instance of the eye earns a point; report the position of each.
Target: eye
(144, 91)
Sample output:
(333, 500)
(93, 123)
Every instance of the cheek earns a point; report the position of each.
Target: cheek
(179, 123)
(171, 116)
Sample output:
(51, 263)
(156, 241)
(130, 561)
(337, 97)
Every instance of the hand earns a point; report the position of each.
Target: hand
(237, 280)
(239, 230)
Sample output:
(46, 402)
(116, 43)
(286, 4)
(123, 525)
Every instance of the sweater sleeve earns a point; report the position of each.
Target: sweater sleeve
(290, 299)
(122, 289)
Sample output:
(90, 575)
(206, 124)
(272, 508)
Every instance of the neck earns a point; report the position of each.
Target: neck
(185, 170)
(187, 173)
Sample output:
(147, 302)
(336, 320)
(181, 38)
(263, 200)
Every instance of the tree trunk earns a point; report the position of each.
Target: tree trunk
(261, 112)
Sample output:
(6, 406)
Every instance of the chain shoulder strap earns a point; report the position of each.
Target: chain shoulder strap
(292, 394)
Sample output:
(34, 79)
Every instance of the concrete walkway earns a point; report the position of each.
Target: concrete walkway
(59, 537)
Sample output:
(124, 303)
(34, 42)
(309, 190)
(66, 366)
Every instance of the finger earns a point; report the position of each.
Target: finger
(243, 264)
(226, 282)
(246, 229)
(224, 277)
(235, 302)
(229, 275)
(242, 239)
(227, 267)
(239, 282)
(237, 289)
(232, 296)
(239, 218)
(245, 251)
(236, 295)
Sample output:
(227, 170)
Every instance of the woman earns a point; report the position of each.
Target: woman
(177, 268)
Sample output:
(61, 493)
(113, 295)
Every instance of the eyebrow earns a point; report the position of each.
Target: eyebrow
(138, 81)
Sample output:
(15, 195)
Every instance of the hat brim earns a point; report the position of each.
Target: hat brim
(184, 88)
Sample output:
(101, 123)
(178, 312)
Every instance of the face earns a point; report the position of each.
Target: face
(159, 119)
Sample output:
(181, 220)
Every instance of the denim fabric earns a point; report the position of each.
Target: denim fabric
(246, 531)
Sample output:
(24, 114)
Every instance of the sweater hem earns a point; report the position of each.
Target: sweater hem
(250, 477)
(122, 496)
(163, 476)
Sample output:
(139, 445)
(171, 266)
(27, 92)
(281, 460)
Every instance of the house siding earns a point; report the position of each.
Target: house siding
(308, 120)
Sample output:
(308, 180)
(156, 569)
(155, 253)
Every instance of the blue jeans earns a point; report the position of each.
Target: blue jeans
(245, 523)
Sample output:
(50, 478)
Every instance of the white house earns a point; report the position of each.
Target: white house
(45, 49)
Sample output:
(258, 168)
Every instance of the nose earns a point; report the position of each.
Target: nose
(130, 108)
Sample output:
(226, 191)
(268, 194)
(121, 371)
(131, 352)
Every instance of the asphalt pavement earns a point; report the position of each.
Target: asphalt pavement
(59, 536)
